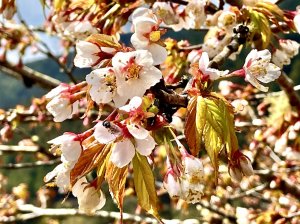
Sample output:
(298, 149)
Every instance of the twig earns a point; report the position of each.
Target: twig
(29, 165)
(263, 95)
(47, 50)
(39, 78)
(36, 212)
(248, 192)
(287, 86)
(216, 210)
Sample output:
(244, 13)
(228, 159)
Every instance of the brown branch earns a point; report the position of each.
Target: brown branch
(287, 86)
(39, 78)
(30, 165)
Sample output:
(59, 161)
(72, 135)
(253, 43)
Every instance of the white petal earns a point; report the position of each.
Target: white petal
(103, 134)
(77, 188)
(297, 22)
(203, 62)
(86, 54)
(250, 57)
(139, 42)
(57, 90)
(144, 25)
(71, 150)
(119, 100)
(49, 176)
(159, 53)
(143, 58)
(145, 146)
(61, 139)
(137, 131)
(134, 103)
(122, 153)
(141, 11)
(273, 73)
(255, 83)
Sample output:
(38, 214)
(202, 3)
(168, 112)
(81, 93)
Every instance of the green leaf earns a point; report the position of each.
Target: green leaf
(260, 29)
(144, 184)
(215, 124)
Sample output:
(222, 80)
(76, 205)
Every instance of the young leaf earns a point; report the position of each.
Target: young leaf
(193, 138)
(116, 179)
(144, 184)
(260, 29)
(89, 160)
(103, 40)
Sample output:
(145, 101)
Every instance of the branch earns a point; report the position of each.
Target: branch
(287, 86)
(30, 165)
(39, 78)
(248, 192)
(36, 212)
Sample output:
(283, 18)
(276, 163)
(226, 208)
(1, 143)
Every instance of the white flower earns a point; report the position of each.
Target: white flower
(195, 11)
(288, 49)
(135, 73)
(147, 34)
(127, 137)
(172, 185)
(57, 90)
(258, 67)
(79, 30)
(123, 150)
(211, 73)
(62, 174)
(62, 108)
(70, 146)
(165, 12)
(104, 87)
(90, 55)
(89, 199)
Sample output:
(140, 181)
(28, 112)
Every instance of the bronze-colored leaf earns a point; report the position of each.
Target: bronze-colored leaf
(89, 160)
(193, 138)
(116, 179)
(103, 40)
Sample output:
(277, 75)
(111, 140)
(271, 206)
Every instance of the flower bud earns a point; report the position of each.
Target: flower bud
(172, 185)
(246, 166)
(235, 174)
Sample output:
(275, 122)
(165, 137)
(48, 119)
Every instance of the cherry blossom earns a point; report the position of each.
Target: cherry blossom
(79, 30)
(288, 49)
(62, 107)
(127, 137)
(89, 199)
(90, 54)
(208, 72)
(147, 34)
(257, 67)
(104, 87)
(135, 69)
(195, 11)
(165, 12)
(69, 144)
(61, 173)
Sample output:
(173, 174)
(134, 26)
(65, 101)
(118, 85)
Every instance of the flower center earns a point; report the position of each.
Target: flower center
(132, 70)
(110, 82)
